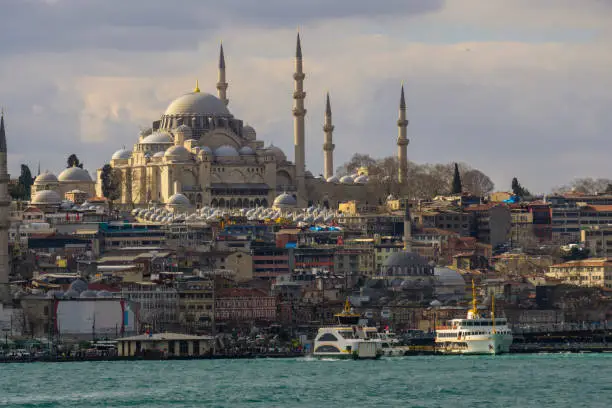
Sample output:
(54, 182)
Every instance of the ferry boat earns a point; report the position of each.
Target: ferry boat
(476, 334)
(348, 339)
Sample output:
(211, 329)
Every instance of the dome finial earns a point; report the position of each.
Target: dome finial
(197, 88)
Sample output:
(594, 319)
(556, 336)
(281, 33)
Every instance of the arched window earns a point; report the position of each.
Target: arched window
(328, 337)
(327, 349)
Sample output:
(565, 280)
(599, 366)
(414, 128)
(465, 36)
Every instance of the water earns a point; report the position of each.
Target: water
(551, 380)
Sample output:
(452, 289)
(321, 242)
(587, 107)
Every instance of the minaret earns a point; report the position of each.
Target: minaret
(402, 141)
(407, 228)
(298, 125)
(5, 201)
(221, 83)
(328, 145)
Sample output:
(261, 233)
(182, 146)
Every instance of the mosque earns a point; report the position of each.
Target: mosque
(198, 154)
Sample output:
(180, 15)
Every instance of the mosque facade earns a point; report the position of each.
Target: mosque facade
(199, 153)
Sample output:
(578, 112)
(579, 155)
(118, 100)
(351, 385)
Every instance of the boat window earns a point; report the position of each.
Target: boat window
(327, 349)
(347, 334)
(328, 337)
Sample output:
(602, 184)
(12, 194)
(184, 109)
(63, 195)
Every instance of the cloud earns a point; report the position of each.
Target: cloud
(529, 102)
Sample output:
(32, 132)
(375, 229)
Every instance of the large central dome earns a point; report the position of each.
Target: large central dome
(198, 103)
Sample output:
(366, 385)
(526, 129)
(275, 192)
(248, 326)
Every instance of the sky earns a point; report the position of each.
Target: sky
(519, 88)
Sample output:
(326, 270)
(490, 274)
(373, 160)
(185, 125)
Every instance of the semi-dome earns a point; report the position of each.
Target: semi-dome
(361, 179)
(198, 103)
(246, 151)
(206, 149)
(46, 197)
(333, 179)
(449, 277)
(45, 177)
(226, 151)
(347, 180)
(178, 199)
(159, 154)
(157, 138)
(277, 152)
(284, 201)
(74, 174)
(184, 130)
(122, 154)
(177, 153)
(249, 132)
(405, 258)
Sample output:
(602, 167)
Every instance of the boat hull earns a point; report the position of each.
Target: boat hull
(491, 345)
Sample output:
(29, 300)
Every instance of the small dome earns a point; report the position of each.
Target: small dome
(450, 277)
(198, 103)
(361, 179)
(88, 294)
(178, 153)
(308, 174)
(145, 132)
(46, 197)
(226, 151)
(249, 132)
(405, 259)
(178, 199)
(159, 154)
(284, 201)
(157, 138)
(183, 130)
(246, 151)
(78, 285)
(277, 152)
(45, 177)
(333, 179)
(206, 149)
(122, 154)
(74, 174)
(347, 180)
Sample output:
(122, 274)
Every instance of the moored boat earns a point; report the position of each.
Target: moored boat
(476, 334)
(347, 339)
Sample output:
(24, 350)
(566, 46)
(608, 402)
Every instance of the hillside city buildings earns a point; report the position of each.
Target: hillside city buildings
(212, 232)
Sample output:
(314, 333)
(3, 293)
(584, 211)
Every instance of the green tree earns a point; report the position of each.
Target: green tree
(73, 161)
(26, 180)
(111, 188)
(457, 188)
(519, 190)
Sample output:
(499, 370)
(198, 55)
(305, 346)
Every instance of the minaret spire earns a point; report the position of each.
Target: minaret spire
(328, 145)
(5, 201)
(402, 140)
(299, 112)
(222, 83)
(2, 133)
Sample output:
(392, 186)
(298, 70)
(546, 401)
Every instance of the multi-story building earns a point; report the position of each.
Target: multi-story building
(196, 303)
(159, 304)
(456, 221)
(270, 262)
(243, 306)
(369, 225)
(588, 272)
(120, 235)
(597, 239)
(569, 220)
(354, 261)
(492, 223)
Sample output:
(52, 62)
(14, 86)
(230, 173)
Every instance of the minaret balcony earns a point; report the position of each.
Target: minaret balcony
(328, 128)
(402, 123)
(299, 112)
(402, 142)
(299, 76)
(329, 147)
(222, 86)
(299, 95)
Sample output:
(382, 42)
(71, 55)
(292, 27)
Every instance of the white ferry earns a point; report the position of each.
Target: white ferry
(475, 334)
(348, 339)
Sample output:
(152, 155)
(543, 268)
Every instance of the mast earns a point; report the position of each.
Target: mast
(474, 305)
(493, 310)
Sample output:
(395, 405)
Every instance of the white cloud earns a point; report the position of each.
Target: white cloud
(536, 109)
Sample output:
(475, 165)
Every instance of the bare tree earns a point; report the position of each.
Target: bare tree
(477, 183)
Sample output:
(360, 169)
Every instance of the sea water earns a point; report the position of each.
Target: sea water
(542, 380)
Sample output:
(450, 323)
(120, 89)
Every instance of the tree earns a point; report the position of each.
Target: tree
(26, 180)
(477, 183)
(457, 188)
(519, 190)
(111, 188)
(73, 161)
(358, 160)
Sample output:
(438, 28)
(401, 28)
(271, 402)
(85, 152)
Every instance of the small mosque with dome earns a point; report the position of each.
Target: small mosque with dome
(198, 154)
